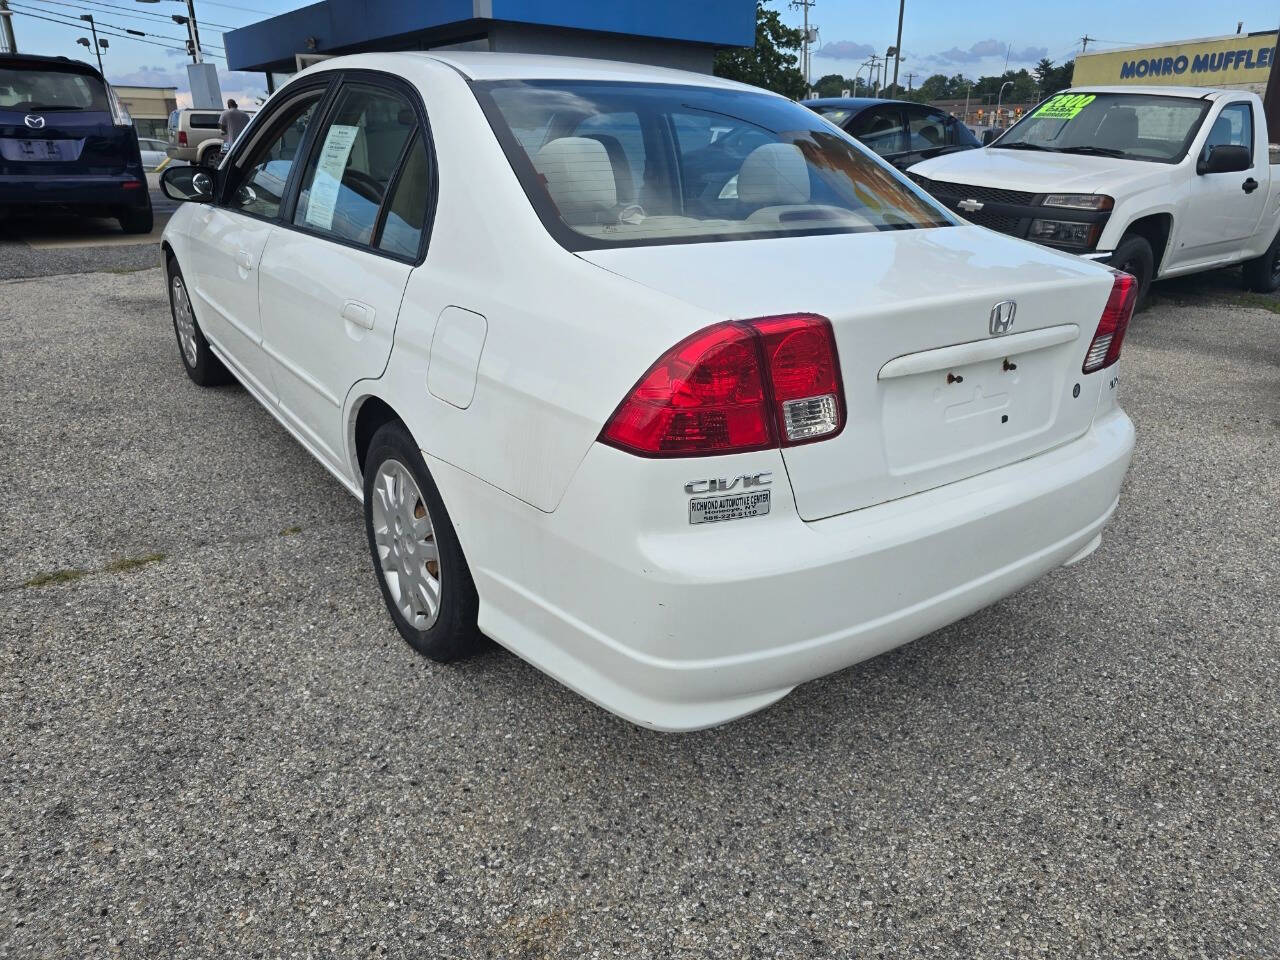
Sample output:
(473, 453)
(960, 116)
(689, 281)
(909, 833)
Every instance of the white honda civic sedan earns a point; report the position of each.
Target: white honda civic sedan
(661, 381)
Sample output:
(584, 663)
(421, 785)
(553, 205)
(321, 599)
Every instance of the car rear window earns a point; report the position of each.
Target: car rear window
(40, 88)
(617, 164)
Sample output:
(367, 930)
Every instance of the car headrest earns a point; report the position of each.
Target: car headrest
(578, 176)
(1220, 132)
(775, 173)
(1119, 128)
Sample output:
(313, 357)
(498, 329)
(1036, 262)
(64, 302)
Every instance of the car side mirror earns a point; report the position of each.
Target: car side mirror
(1225, 158)
(192, 184)
(988, 135)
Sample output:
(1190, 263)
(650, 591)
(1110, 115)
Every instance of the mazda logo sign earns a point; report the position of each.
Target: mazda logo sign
(1002, 315)
(34, 122)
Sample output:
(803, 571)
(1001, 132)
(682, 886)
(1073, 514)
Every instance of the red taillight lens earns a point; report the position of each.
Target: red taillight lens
(182, 138)
(1105, 348)
(735, 387)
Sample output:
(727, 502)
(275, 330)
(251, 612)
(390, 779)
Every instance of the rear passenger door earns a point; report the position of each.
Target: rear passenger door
(334, 271)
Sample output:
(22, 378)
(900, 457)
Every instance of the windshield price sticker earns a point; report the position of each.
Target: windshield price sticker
(1064, 106)
(736, 507)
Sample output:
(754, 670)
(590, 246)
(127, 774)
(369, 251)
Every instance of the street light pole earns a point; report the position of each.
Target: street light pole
(93, 27)
(6, 28)
(1000, 97)
(897, 47)
(193, 30)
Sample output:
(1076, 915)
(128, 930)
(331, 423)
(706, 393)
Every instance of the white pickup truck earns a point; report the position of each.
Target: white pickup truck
(1157, 181)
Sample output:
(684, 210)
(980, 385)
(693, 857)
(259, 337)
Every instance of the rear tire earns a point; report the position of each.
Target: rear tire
(425, 581)
(197, 359)
(137, 220)
(1133, 255)
(1262, 274)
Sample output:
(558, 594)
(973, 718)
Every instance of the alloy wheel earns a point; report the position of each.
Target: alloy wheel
(185, 320)
(405, 538)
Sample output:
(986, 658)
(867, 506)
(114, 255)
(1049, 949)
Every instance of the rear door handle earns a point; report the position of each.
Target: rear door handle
(358, 314)
(244, 260)
(1249, 185)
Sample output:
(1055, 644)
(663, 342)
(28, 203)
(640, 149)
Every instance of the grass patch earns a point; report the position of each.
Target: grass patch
(132, 563)
(55, 576)
(290, 531)
(1261, 300)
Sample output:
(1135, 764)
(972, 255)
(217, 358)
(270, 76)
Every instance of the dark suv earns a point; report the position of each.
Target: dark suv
(66, 140)
(903, 133)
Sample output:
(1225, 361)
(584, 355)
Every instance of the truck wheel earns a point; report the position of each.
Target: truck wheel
(1133, 255)
(1263, 273)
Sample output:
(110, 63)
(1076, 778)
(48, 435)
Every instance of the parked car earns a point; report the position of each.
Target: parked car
(195, 137)
(1158, 181)
(903, 133)
(679, 449)
(67, 141)
(153, 152)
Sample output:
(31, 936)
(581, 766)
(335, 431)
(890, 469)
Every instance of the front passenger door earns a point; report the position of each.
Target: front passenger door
(332, 278)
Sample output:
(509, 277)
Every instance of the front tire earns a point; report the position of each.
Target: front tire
(425, 581)
(1133, 255)
(1262, 274)
(201, 365)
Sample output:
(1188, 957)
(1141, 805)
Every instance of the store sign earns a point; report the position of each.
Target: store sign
(1199, 63)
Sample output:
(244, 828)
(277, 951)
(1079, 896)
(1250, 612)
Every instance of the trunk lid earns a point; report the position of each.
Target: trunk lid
(932, 396)
(68, 142)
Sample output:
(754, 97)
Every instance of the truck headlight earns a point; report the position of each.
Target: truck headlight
(1079, 201)
(1065, 233)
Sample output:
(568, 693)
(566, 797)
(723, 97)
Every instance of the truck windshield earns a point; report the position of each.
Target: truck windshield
(41, 88)
(616, 164)
(1126, 125)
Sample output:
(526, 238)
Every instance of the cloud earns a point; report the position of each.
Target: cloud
(244, 87)
(845, 50)
(989, 49)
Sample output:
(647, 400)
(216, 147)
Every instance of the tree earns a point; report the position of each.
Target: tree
(831, 85)
(768, 64)
(1043, 71)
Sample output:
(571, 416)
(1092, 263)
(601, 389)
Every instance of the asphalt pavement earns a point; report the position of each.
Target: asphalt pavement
(216, 745)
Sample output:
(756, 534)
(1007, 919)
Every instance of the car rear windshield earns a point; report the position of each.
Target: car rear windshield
(1130, 126)
(31, 89)
(617, 164)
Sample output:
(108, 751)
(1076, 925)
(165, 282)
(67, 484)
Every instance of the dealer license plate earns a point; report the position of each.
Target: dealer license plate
(732, 507)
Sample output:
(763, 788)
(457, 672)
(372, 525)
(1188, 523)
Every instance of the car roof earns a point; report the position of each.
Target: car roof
(478, 65)
(1152, 90)
(858, 103)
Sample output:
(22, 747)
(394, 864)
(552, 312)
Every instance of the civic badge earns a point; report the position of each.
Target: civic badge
(1002, 315)
(34, 122)
(970, 206)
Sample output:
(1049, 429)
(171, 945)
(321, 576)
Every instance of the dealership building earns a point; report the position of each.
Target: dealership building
(672, 33)
(1241, 61)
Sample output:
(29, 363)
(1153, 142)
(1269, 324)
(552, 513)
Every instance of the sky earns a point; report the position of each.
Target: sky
(938, 36)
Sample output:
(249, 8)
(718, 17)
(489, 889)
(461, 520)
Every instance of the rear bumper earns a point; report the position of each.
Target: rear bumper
(75, 191)
(698, 625)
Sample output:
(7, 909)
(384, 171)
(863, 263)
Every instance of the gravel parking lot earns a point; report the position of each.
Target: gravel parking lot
(216, 745)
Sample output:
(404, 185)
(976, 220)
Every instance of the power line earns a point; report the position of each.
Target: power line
(113, 26)
(123, 36)
(140, 14)
(232, 6)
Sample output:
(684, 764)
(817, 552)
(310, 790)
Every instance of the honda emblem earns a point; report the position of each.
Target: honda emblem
(1002, 315)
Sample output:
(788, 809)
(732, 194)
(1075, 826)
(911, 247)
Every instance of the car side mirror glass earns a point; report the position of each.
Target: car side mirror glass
(1225, 158)
(192, 184)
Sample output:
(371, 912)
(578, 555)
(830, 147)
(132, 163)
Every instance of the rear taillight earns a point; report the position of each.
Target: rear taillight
(735, 387)
(1105, 348)
(182, 138)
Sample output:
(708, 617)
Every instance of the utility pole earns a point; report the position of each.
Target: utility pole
(96, 49)
(9, 44)
(806, 38)
(897, 47)
(910, 80)
(1084, 42)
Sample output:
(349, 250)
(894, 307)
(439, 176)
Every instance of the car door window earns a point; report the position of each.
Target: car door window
(880, 128)
(1234, 127)
(260, 187)
(356, 155)
(926, 129)
(410, 202)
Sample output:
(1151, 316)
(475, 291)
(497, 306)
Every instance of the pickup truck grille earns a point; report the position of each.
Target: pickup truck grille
(996, 221)
(964, 191)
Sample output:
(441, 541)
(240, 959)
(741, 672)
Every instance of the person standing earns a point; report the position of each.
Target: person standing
(232, 124)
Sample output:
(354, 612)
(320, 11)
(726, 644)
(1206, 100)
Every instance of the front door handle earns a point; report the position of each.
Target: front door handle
(358, 314)
(1249, 185)
(244, 260)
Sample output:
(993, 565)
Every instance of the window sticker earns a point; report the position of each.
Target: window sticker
(1064, 106)
(323, 198)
